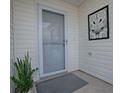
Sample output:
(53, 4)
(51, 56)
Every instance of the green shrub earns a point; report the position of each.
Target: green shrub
(24, 79)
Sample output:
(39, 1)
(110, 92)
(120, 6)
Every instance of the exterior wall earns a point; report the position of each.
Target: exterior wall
(100, 62)
(26, 33)
(25, 36)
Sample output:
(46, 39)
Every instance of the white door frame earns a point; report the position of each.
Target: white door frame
(40, 46)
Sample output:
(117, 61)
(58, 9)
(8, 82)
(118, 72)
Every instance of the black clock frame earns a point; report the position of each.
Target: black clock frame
(107, 13)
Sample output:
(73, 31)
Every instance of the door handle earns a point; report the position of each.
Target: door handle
(65, 42)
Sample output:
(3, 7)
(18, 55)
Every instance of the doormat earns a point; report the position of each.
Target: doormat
(64, 84)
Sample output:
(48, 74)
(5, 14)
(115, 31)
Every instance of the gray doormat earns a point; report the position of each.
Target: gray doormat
(64, 84)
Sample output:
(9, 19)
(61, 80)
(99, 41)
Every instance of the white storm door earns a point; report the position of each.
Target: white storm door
(53, 42)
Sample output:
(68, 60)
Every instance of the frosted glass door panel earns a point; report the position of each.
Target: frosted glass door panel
(53, 45)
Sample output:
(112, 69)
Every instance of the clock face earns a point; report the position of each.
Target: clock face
(98, 24)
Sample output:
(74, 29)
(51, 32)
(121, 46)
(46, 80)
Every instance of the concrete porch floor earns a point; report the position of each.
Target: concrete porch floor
(94, 85)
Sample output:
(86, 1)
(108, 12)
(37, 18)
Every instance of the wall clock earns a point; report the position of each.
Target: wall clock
(98, 24)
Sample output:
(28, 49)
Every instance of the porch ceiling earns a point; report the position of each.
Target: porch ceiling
(74, 2)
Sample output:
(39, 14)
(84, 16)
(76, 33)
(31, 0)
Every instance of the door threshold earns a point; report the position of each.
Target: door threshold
(45, 78)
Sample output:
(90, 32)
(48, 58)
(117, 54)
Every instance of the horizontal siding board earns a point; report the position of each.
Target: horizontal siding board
(105, 58)
(95, 71)
(98, 64)
(98, 75)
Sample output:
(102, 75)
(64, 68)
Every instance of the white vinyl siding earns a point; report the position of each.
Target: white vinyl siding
(96, 56)
(26, 32)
